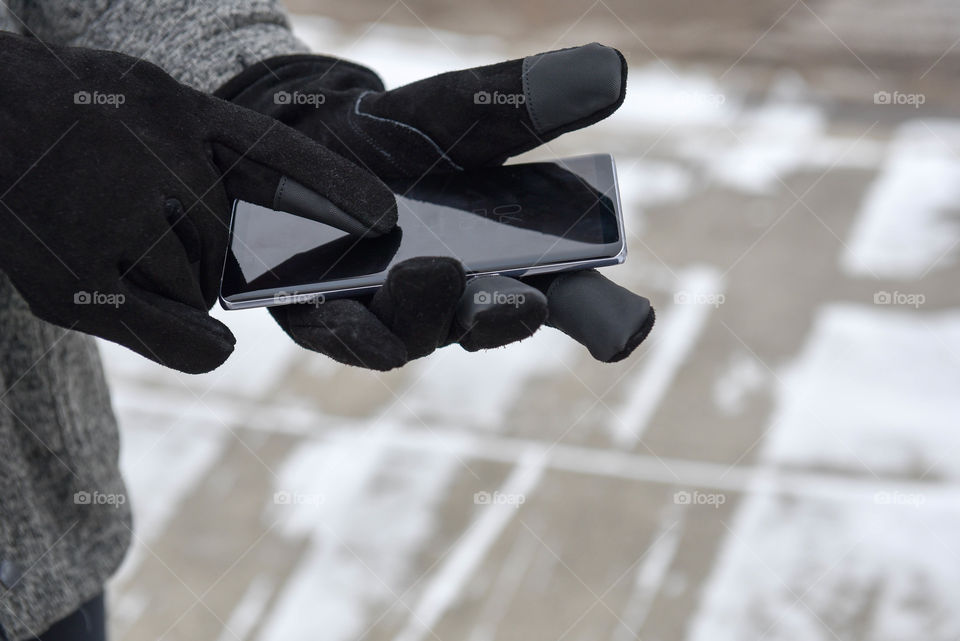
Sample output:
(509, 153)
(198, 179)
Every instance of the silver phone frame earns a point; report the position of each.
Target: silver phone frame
(308, 297)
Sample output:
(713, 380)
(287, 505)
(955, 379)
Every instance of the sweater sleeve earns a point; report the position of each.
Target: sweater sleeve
(7, 21)
(202, 43)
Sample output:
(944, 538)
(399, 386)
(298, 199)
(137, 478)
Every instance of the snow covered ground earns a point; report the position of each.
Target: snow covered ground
(778, 465)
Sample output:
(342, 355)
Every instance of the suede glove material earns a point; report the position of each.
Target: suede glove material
(448, 123)
(116, 186)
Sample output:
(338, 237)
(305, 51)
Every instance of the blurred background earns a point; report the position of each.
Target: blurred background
(779, 461)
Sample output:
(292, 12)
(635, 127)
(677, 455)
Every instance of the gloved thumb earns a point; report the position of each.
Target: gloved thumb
(170, 333)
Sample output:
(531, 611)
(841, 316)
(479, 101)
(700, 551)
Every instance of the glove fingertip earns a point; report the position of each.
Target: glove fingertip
(635, 339)
(208, 356)
(571, 88)
(607, 319)
(496, 311)
(174, 334)
(294, 198)
(345, 331)
(418, 301)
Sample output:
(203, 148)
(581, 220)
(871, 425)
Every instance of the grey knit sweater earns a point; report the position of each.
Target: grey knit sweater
(62, 532)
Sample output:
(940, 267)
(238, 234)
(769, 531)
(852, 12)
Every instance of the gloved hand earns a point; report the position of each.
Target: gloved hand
(454, 121)
(116, 185)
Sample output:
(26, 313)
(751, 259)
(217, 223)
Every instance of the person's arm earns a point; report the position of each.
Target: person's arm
(202, 43)
(116, 184)
(232, 47)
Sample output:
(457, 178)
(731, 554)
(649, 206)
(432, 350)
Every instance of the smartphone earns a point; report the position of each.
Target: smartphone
(513, 220)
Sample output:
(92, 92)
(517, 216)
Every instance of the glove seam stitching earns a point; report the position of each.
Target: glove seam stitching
(278, 197)
(403, 125)
(531, 110)
(360, 132)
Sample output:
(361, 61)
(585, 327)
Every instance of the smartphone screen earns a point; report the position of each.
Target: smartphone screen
(511, 220)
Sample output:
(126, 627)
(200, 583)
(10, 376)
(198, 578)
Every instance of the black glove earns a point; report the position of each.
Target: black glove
(454, 121)
(116, 184)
